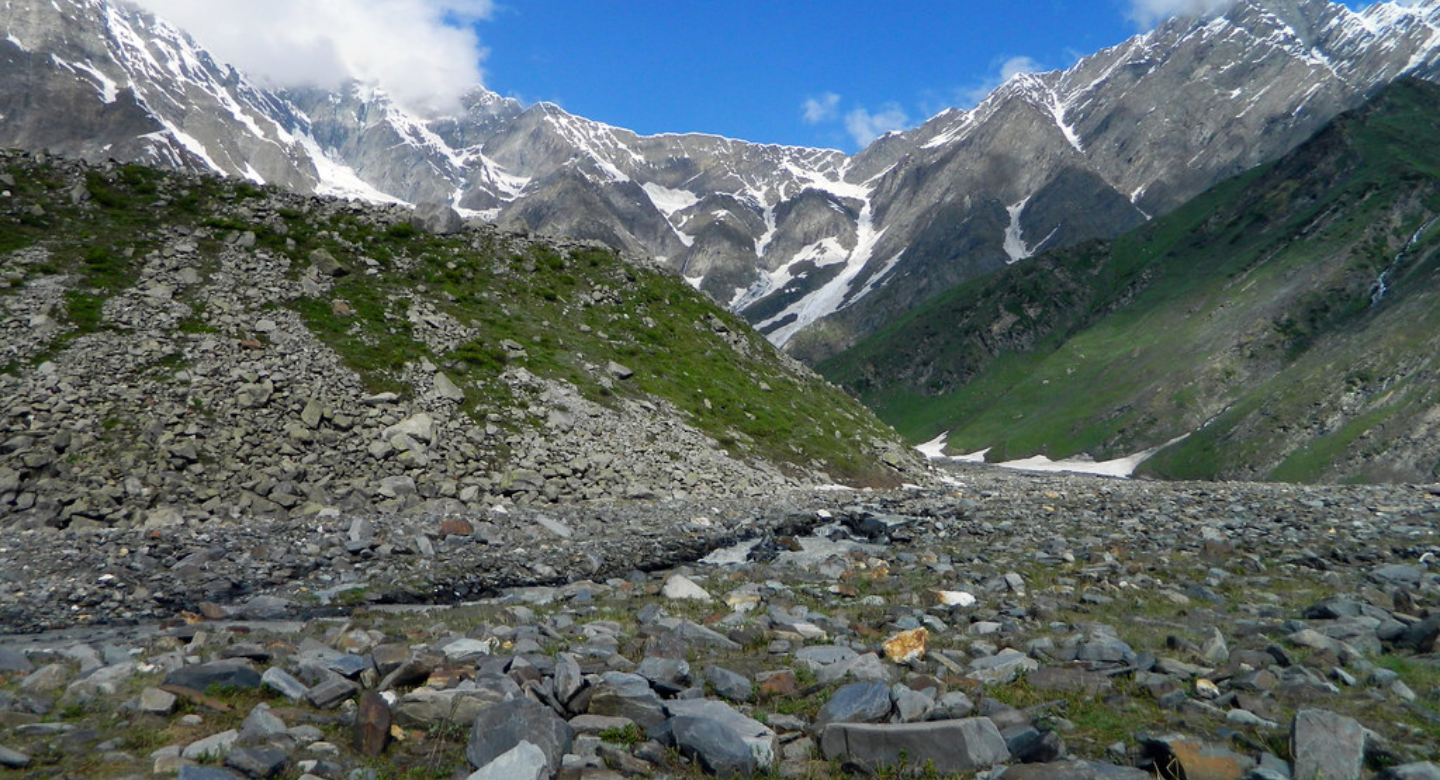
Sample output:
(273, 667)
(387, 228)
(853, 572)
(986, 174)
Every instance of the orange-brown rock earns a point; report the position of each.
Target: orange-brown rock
(907, 646)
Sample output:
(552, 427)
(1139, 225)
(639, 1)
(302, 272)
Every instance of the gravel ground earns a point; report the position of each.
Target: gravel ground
(1134, 625)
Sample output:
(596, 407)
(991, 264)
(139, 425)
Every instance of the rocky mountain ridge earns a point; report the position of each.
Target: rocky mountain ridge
(179, 348)
(815, 247)
(1280, 326)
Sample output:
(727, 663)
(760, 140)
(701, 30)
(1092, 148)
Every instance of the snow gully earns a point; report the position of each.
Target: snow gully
(1381, 288)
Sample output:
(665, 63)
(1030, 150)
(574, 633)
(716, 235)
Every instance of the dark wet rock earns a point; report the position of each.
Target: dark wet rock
(1030, 745)
(258, 763)
(499, 729)
(218, 674)
(1421, 770)
(330, 693)
(372, 725)
(948, 745)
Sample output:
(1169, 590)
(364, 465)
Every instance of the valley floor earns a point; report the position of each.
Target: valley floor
(1061, 626)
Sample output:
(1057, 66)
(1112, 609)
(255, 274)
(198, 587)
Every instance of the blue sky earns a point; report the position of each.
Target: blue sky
(834, 74)
(748, 69)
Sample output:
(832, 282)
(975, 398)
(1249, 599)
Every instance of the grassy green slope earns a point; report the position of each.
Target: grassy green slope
(569, 310)
(1248, 309)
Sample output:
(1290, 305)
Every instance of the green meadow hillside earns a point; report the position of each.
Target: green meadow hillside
(1285, 323)
(181, 347)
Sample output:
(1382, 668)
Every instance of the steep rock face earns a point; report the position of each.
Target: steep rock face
(1046, 160)
(94, 80)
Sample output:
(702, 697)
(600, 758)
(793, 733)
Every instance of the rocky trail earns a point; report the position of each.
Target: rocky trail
(1007, 625)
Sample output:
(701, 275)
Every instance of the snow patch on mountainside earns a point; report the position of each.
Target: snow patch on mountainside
(1014, 240)
(769, 235)
(338, 179)
(669, 201)
(507, 186)
(835, 294)
(109, 90)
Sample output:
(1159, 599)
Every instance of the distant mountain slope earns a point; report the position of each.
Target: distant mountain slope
(816, 248)
(1286, 322)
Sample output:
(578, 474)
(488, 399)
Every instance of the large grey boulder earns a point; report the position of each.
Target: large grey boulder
(867, 702)
(437, 218)
(730, 685)
(525, 761)
(260, 725)
(500, 729)
(13, 662)
(720, 751)
(426, 707)
(283, 683)
(13, 759)
(627, 696)
(950, 746)
(215, 746)
(257, 762)
(568, 678)
(759, 740)
(1326, 746)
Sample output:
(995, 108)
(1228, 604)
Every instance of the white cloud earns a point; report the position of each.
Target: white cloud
(424, 53)
(1148, 13)
(864, 127)
(1005, 70)
(822, 108)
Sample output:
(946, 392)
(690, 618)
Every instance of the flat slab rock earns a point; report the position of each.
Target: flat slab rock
(1074, 770)
(949, 745)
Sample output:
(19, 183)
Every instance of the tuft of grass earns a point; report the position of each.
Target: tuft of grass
(628, 735)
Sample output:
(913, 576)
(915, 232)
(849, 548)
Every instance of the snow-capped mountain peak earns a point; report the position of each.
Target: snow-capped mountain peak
(790, 236)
